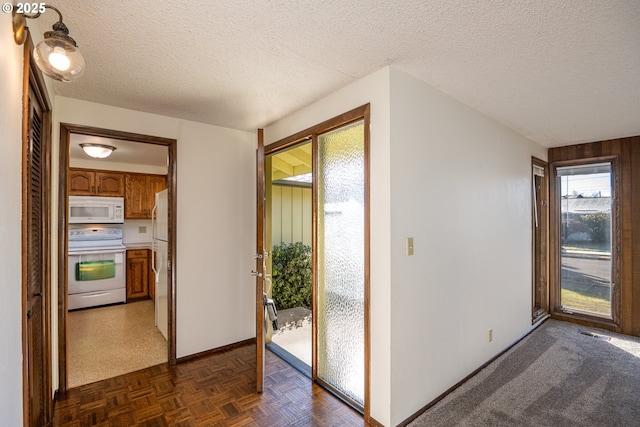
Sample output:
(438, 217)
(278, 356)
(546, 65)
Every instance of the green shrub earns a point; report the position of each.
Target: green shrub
(599, 226)
(291, 275)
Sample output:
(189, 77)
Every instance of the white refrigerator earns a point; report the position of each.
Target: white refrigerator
(159, 245)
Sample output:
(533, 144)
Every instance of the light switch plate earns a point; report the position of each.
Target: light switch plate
(409, 246)
(142, 229)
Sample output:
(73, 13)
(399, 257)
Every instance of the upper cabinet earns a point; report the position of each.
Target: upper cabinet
(87, 182)
(138, 189)
(140, 194)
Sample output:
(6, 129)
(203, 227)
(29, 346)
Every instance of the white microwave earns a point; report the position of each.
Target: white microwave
(96, 210)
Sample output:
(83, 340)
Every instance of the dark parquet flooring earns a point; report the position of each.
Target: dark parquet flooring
(217, 390)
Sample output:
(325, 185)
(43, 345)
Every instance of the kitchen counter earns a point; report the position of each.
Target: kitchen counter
(138, 245)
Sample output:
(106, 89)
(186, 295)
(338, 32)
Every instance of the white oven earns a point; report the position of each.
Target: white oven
(96, 274)
(96, 210)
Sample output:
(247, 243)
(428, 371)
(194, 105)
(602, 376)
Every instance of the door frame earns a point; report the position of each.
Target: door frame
(34, 80)
(260, 270)
(360, 113)
(66, 130)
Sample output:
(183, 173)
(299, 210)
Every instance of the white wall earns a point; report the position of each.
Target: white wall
(459, 184)
(10, 226)
(216, 220)
(461, 187)
(372, 89)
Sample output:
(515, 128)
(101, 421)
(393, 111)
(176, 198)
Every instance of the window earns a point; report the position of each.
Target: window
(585, 240)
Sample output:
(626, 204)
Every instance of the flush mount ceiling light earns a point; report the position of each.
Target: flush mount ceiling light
(98, 151)
(57, 55)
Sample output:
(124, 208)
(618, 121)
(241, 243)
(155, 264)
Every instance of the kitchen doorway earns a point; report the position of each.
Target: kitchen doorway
(84, 178)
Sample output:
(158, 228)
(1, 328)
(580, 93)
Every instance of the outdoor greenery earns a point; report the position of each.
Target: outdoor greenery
(597, 227)
(291, 272)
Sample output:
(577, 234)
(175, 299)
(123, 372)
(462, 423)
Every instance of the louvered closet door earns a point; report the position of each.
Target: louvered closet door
(35, 263)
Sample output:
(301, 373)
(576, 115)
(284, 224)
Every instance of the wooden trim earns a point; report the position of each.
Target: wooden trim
(314, 256)
(116, 134)
(612, 323)
(260, 219)
(326, 126)
(25, 138)
(217, 350)
(628, 152)
(172, 255)
(543, 216)
(451, 389)
(34, 80)
(63, 236)
(367, 265)
(24, 214)
(66, 130)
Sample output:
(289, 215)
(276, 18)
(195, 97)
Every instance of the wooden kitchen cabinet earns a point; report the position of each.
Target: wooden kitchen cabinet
(137, 274)
(88, 182)
(140, 191)
(110, 184)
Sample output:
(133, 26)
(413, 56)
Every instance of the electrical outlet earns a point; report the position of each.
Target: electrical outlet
(142, 229)
(490, 335)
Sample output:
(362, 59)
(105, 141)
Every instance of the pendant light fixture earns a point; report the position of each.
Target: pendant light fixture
(57, 55)
(98, 151)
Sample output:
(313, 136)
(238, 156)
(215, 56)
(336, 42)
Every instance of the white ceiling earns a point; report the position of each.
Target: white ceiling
(558, 72)
(134, 153)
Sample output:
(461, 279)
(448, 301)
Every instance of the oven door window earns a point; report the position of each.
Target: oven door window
(95, 270)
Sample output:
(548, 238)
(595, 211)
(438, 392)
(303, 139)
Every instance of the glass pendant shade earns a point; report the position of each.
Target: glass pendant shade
(59, 59)
(98, 151)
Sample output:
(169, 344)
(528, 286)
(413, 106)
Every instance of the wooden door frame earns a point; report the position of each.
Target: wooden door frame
(360, 113)
(260, 270)
(33, 78)
(66, 130)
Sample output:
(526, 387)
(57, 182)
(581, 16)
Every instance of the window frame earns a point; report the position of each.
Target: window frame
(555, 264)
(539, 243)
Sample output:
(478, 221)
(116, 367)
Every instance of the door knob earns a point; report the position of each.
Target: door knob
(256, 274)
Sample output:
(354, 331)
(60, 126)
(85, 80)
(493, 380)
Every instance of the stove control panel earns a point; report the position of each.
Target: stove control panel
(95, 233)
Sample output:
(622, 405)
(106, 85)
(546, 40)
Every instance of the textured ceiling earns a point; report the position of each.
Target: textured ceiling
(134, 153)
(558, 72)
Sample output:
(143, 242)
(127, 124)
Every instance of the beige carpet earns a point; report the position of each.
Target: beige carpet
(557, 376)
(108, 341)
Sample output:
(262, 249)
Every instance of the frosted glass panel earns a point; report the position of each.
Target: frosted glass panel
(341, 260)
